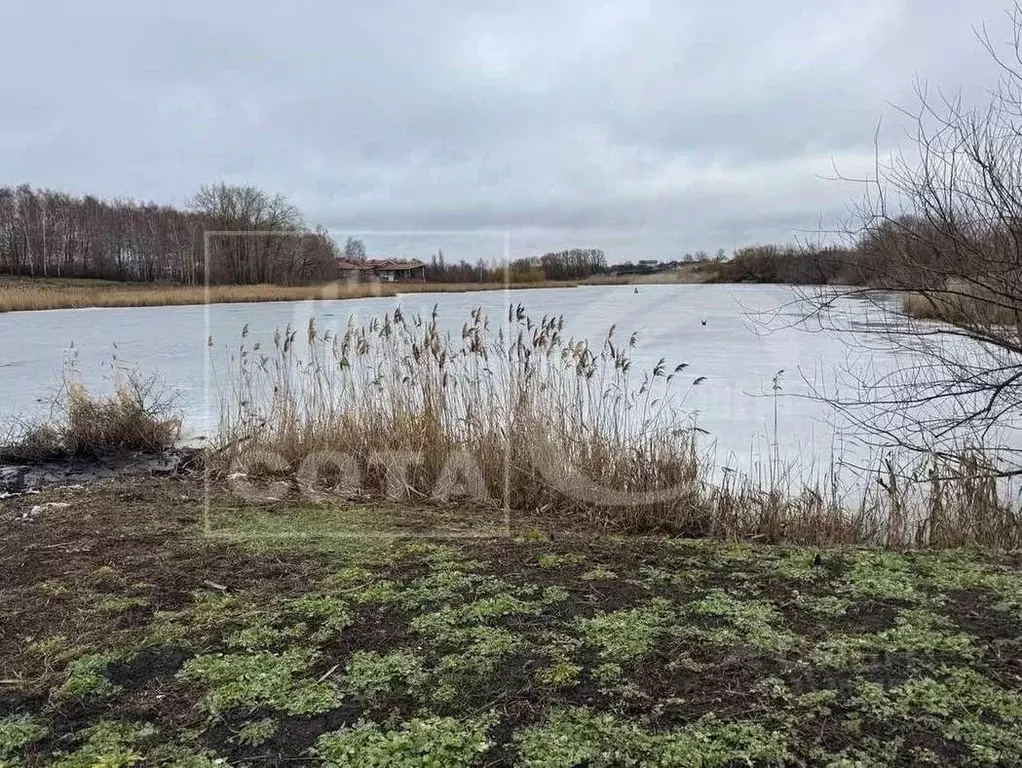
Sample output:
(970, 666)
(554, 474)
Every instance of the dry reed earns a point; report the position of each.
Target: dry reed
(138, 416)
(28, 295)
(932, 503)
(962, 305)
(544, 423)
(510, 407)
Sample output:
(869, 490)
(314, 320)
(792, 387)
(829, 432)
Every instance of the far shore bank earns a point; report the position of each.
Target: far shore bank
(19, 294)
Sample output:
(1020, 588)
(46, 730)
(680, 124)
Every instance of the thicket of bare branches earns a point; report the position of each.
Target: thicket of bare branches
(790, 264)
(44, 233)
(942, 223)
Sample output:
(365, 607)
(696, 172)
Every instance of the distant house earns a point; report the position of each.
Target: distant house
(392, 270)
(384, 270)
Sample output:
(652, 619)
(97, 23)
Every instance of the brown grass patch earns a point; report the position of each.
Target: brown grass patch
(519, 417)
(961, 304)
(139, 416)
(22, 294)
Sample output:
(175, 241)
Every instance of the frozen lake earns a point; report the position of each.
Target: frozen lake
(746, 339)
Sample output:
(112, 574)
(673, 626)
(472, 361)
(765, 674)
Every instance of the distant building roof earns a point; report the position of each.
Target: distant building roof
(345, 264)
(396, 264)
(371, 264)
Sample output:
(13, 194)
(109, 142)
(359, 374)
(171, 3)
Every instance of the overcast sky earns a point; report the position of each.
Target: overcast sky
(645, 128)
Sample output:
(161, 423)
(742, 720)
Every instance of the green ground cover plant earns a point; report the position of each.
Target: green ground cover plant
(148, 643)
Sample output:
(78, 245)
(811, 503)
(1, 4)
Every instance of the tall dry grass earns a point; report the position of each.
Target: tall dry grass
(18, 294)
(138, 416)
(539, 422)
(960, 304)
(926, 503)
(509, 406)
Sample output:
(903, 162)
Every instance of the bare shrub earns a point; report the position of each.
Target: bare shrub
(31, 444)
(940, 224)
(959, 305)
(139, 416)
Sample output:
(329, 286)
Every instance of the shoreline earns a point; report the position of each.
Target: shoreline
(285, 491)
(777, 501)
(44, 298)
(22, 294)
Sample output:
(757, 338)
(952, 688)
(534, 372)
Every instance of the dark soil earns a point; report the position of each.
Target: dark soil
(93, 577)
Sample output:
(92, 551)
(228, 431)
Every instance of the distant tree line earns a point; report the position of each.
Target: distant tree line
(795, 265)
(904, 252)
(439, 270)
(44, 233)
(572, 264)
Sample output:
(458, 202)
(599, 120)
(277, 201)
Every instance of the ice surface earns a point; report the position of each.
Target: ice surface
(745, 340)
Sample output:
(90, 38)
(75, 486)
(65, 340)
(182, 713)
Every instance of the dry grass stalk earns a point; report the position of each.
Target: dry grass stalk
(18, 294)
(513, 404)
(137, 417)
(555, 425)
(961, 304)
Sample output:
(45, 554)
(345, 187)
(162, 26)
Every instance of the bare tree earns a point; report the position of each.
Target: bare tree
(262, 253)
(941, 225)
(46, 233)
(354, 251)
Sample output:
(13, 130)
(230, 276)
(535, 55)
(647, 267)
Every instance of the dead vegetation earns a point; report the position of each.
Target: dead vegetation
(962, 305)
(20, 294)
(516, 412)
(519, 417)
(139, 415)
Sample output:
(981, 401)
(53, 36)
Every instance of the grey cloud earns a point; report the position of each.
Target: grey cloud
(650, 128)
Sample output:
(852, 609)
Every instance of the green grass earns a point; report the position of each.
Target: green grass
(748, 620)
(370, 675)
(86, 679)
(630, 634)
(17, 732)
(598, 573)
(323, 528)
(257, 732)
(109, 743)
(251, 681)
(417, 652)
(580, 737)
(925, 634)
(429, 741)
